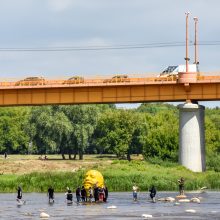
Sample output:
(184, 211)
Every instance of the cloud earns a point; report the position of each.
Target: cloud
(60, 5)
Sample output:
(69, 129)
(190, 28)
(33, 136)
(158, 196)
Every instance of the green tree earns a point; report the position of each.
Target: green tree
(40, 129)
(115, 132)
(60, 130)
(162, 136)
(13, 138)
(84, 119)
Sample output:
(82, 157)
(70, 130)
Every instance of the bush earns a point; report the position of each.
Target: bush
(159, 161)
(213, 162)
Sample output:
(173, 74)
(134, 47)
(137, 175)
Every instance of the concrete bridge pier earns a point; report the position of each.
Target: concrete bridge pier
(192, 136)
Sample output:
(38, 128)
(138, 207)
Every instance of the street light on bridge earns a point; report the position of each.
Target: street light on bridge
(187, 58)
(195, 43)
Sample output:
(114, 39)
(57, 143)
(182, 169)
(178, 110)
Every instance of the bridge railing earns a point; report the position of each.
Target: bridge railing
(104, 80)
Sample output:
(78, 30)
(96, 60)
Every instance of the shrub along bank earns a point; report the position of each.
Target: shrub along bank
(119, 176)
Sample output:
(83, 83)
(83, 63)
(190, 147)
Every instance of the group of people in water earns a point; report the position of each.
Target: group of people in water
(98, 194)
(95, 194)
(153, 191)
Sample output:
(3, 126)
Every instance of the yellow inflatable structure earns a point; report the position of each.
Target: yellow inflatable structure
(92, 178)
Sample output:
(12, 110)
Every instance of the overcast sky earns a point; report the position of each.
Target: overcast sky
(83, 23)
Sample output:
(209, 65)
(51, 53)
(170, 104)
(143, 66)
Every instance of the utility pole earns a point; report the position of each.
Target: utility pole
(187, 58)
(195, 43)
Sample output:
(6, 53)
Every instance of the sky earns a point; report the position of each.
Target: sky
(96, 23)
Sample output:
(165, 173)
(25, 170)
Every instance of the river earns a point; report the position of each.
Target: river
(209, 208)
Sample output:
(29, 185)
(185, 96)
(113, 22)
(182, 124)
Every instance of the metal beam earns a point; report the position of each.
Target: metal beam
(120, 93)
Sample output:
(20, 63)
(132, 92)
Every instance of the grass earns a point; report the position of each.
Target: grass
(119, 175)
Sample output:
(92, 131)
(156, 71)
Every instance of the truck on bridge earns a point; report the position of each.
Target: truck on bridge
(172, 71)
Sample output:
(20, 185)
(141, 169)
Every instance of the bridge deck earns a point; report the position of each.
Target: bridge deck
(151, 89)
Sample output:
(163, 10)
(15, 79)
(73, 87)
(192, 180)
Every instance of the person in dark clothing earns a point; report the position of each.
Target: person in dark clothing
(83, 194)
(181, 185)
(5, 155)
(19, 191)
(153, 193)
(106, 194)
(96, 193)
(78, 191)
(69, 196)
(50, 193)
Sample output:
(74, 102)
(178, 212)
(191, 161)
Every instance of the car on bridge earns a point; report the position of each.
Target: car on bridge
(117, 78)
(31, 81)
(74, 80)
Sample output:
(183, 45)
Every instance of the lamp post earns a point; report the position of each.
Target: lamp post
(186, 58)
(195, 43)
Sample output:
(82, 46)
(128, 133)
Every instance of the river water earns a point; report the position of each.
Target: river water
(209, 208)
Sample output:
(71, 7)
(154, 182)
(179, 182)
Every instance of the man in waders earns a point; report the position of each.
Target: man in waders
(181, 185)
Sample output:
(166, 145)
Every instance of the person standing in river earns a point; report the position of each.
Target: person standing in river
(181, 182)
(153, 193)
(83, 194)
(90, 194)
(106, 194)
(50, 193)
(78, 196)
(96, 193)
(69, 196)
(19, 193)
(135, 191)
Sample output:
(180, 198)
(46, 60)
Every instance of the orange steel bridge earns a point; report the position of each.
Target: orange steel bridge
(131, 90)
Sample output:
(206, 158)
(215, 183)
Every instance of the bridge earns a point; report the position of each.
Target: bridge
(112, 90)
(187, 87)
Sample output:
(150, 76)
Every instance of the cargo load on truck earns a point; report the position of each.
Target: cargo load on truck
(174, 70)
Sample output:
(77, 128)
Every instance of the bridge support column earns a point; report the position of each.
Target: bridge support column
(192, 137)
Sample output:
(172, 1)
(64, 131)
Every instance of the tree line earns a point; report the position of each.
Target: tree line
(151, 130)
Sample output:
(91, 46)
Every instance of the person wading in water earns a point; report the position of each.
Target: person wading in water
(69, 196)
(50, 194)
(19, 191)
(153, 193)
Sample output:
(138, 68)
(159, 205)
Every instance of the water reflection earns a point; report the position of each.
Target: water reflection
(126, 208)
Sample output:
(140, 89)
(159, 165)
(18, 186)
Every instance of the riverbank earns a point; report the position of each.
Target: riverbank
(36, 175)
